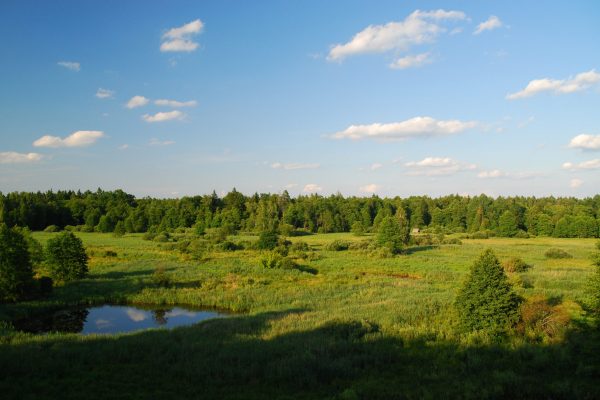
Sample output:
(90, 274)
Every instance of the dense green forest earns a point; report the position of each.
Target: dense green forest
(103, 211)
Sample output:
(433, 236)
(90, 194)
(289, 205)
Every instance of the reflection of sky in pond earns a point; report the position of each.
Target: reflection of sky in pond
(118, 319)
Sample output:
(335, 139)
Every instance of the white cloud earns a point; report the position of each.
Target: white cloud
(104, 93)
(375, 166)
(76, 139)
(292, 166)
(410, 128)
(123, 147)
(156, 142)
(491, 23)
(411, 61)
(591, 164)
(580, 82)
(312, 188)
(137, 101)
(575, 183)
(586, 142)
(371, 188)
(418, 28)
(435, 166)
(495, 173)
(73, 66)
(135, 315)
(175, 103)
(180, 38)
(163, 116)
(290, 186)
(12, 157)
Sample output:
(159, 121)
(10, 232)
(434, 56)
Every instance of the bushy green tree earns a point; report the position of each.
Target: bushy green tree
(16, 273)
(487, 300)
(357, 228)
(594, 286)
(390, 234)
(507, 224)
(66, 258)
(267, 240)
(119, 229)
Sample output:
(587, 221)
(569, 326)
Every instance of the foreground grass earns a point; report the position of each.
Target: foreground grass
(360, 327)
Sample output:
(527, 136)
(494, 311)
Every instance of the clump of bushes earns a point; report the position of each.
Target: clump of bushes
(542, 321)
(267, 240)
(337, 245)
(162, 237)
(521, 234)
(360, 245)
(52, 228)
(515, 264)
(110, 253)
(556, 253)
(452, 241)
(160, 277)
(228, 245)
(274, 260)
(299, 246)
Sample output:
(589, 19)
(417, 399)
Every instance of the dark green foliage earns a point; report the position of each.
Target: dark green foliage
(36, 251)
(119, 229)
(161, 278)
(267, 240)
(391, 234)
(44, 285)
(16, 273)
(358, 228)
(487, 300)
(66, 258)
(594, 287)
(557, 253)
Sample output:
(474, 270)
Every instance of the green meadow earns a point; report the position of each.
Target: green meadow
(342, 325)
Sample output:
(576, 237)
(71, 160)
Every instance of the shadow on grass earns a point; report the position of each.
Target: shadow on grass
(121, 274)
(238, 358)
(415, 249)
(307, 269)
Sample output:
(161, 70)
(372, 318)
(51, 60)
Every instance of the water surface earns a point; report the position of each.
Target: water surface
(114, 319)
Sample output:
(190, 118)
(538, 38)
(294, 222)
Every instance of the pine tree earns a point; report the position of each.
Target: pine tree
(119, 229)
(487, 300)
(507, 224)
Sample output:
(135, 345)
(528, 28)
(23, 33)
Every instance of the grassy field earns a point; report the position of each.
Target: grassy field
(353, 327)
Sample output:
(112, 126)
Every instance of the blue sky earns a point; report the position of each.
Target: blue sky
(360, 97)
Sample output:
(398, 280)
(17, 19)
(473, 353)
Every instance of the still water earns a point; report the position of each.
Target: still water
(113, 319)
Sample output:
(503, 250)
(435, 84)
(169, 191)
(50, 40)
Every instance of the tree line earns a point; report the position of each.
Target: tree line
(105, 211)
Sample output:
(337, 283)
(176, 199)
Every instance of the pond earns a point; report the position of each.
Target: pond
(112, 319)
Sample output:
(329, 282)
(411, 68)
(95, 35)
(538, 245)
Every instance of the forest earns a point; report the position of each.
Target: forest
(103, 211)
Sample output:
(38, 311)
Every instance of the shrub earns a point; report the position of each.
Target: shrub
(487, 301)
(594, 288)
(357, 228)
(119, 229)
(52, 229)
(149, 235)
(110, 253)
(227, 245)
(299, 246)
(557, 253)
(337, 245)
(66, 258)
(16, 271)
(267, 240)
(270, 260)
(286, 229)
(515, 264)
(521, 234)
(160, 277)
(360, 245)
(540, 320)
(162, 237)
(452, 241)
(391, 234)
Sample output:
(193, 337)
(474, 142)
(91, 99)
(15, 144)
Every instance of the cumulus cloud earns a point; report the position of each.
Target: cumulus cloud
(411, 61)
(575, 183)
(371, 188)
(418, 28)
(591, 164)
(163, 116)
(292, 166)
(580, 82)
(410, 128)
(175, 103)
(12, 157)
(137, 101)
(312, 188)
(435, 166)
(586, 142)
(180, 39)
(76, 139)
(375, 166)
(72, 65)
(104, 93)
(490, 24)
(496, 173)
(156, 142)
